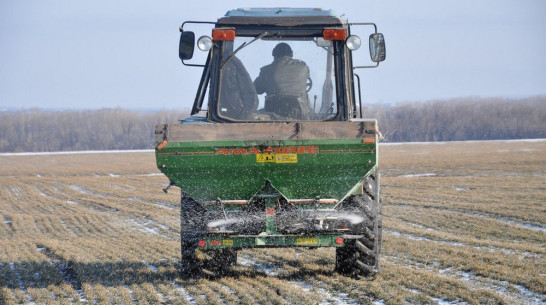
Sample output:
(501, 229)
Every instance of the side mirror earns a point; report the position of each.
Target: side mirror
(186, 46)
(377, 47)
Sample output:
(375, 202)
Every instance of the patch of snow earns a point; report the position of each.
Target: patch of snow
(445, 302)
(161, 298)
(149, 226)
(78, 152)
(418, 175)
(20, 283)
(165, 205)
(502, 287)
(157, 203)
(459, 244)
(150, 175)
(406, 235)
(144, 228)
(460, 189)
(329, 298)
(448, 142)
(40, 192)
(184, 293)
(150, 266)
(131, 293)
(268, 268)
(533, 227)
(535, 297)
(164, 227)
(228, 289)
(413, 290)
(513, 221)
(525, 295)
(16, 191)
(83, 299)
(83, 190)
(63, 223)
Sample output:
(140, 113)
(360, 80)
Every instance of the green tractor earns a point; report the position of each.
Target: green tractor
(276, 160)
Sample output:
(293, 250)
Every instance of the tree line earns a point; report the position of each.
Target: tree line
(461, 119)
(38, 130)
(105, 129)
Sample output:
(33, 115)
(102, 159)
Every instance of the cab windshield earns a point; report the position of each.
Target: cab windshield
(271, 79)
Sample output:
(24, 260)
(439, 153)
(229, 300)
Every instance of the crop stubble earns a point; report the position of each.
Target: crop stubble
(464, 222)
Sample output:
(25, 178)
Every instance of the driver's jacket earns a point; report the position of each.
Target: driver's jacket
(284, 81)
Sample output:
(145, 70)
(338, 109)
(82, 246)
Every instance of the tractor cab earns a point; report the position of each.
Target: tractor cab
(279, 64)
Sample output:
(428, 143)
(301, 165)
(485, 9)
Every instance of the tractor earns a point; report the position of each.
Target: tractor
(276, 158)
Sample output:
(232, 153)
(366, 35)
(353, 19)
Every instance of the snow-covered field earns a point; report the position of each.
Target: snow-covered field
(464, 223)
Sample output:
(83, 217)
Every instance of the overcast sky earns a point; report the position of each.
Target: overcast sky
(93, 54)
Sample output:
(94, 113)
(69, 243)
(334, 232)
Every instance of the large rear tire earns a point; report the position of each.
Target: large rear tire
(217, 262)
(189, 264)
(192, 228)
(359, 257)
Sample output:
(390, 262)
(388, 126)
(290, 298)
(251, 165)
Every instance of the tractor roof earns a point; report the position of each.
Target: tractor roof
(281, 16)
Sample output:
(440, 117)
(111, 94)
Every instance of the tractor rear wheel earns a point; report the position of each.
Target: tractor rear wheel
(191, 227)
(189, 264)
(360, 256)
(217, 262)
(195, 262)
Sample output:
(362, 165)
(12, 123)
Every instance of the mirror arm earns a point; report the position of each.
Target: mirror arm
(203, 84)
(196, 22)
(360, 67)
(359, 94)
(375, 32)
(191, 65)
(366, 23)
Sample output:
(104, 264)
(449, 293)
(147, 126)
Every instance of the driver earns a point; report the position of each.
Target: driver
(284, 81)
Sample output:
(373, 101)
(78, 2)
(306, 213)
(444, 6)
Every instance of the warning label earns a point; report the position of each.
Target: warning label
(277, 158)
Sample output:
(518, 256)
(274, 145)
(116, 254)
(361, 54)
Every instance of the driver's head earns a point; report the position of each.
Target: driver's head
(282, 49)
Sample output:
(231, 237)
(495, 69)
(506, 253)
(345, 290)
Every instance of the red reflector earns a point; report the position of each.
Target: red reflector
(202, 243)
(223, 34)
(339, 240)
(270, 211)
(160, 146)
(337, 34)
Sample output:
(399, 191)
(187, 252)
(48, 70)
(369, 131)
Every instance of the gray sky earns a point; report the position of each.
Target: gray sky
(102, 53)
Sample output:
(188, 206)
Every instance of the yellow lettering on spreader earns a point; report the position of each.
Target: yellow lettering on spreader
(307, 241)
